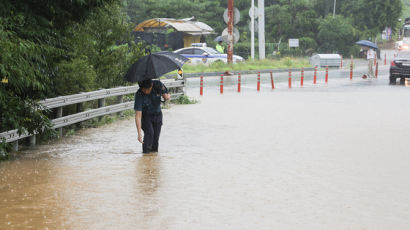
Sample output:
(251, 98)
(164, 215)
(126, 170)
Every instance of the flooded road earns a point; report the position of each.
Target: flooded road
(318, 157)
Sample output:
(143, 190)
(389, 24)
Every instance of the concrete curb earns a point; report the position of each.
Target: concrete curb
(213, 74)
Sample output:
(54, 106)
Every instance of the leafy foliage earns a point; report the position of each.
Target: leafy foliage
(372, 16)
(284, 18)
(51, 48)
(336, 35)
(104, 45)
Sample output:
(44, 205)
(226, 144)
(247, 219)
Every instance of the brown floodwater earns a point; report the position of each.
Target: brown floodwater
(318, 157)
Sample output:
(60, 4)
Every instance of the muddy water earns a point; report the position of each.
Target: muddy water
(321, 157)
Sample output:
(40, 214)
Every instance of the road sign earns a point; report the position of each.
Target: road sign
(253, 12)
(236, 16)
(235, 35)
(293, 42)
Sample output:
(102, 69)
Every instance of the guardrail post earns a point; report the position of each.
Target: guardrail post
(60, 114)
(315, 75)
(302, 76)
(33, 140)
(101, 103)
(79, 110)
(120, 99)
(327, 74)
(16, 146)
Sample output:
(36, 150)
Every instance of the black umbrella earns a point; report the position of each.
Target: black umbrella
(367, 43)
(154, 66)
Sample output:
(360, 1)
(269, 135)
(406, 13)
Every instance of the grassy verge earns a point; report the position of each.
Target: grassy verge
(282, 63)
(184, 100)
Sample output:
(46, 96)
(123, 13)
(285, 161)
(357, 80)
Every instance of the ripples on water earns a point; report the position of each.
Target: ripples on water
(313, 158)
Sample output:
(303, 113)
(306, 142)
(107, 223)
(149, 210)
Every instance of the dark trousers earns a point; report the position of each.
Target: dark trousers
(151, 125)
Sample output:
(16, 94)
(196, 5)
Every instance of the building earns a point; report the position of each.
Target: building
(169, 33)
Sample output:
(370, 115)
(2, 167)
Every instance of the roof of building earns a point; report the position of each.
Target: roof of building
(187, 25)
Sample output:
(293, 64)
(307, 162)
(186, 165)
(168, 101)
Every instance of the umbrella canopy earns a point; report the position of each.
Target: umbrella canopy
(367, 44)
(218, 39)
(154, 66)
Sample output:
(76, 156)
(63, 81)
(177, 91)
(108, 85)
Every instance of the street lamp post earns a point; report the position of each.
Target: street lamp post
(261, 28)
(253, 30)
(334, 8)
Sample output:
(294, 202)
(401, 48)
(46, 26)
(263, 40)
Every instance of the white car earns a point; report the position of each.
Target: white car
(205, 55)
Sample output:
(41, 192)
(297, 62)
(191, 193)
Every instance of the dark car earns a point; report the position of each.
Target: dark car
(400, 67)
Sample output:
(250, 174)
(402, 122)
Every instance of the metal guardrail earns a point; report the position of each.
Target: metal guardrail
(59, 102)
(99, 94)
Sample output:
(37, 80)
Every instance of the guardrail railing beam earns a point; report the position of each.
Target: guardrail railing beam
(80, 116)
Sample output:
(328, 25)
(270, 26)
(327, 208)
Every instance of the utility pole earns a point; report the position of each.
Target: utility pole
(261, 28)
(230, 31)
(334, 8)
(253, 30)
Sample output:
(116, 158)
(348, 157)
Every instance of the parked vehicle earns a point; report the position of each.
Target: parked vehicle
(400, 67)
(404, 44)
(205, 55)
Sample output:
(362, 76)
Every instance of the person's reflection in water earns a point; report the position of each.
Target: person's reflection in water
(148, 168)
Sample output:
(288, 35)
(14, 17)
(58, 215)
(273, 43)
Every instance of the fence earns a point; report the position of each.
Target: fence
(176, 88)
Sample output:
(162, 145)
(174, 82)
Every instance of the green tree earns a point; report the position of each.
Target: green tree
(325, 7)
(372, 16)
(290, 19)
(106, 42)
(336, 35)
(30, 47)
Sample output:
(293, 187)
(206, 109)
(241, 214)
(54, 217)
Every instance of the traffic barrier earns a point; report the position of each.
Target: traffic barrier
(290, 79)
(239, 82)
(201, 90)
(271, 80)
(259, 82)
(301, 77)
(327, 74)
(221, 86)
(351, 71)
(341, 61)
(377, 70)
(385, 59)
(315, 75)
(351, 67)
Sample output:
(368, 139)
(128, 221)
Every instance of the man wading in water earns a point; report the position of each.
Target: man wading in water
(148, 115)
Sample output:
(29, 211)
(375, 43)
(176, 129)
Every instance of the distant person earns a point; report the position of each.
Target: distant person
(219, 47)
(371, 55)
(148, 114)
